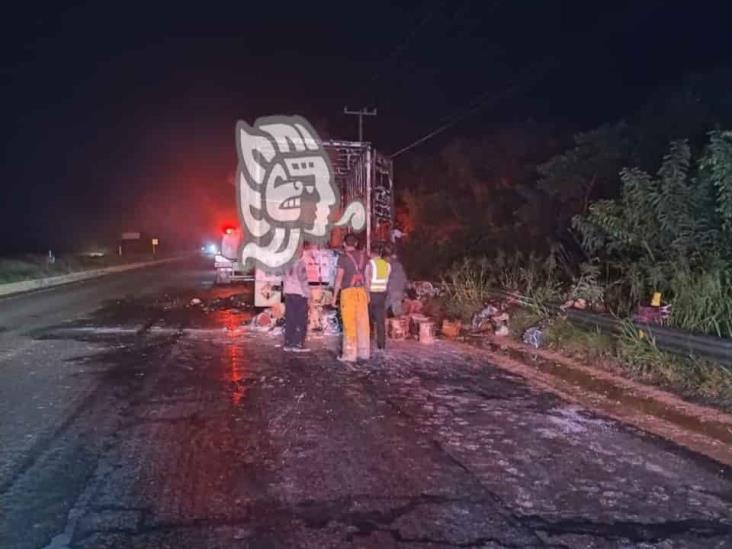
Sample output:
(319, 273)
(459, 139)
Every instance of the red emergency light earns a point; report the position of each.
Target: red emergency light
(229, 230)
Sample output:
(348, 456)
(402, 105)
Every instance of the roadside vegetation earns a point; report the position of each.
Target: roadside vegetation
(29, 266)
(628, 210)
(669, 233)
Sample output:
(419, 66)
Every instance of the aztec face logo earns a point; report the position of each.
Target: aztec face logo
(286, 191)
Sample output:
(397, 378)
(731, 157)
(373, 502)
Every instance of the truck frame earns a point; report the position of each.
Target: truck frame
(361, 173)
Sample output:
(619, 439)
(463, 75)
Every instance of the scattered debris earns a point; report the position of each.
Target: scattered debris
(533, 336)
(398, 327)
(414, 321)
(653, 315)
(482, 319)
(424, 289)
(502, 330)
(451, 328)
(277, 311)
(427, 332)
(263, 321)
(331, 324)
(322, 318)
(501, 318)
(491, 317)
(579, 303)
(412, 306)
(236, 301)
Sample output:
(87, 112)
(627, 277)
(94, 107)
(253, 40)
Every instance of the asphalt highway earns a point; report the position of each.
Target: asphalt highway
(132, 417)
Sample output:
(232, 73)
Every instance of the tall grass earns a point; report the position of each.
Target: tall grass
(702, 301)
(470, 283)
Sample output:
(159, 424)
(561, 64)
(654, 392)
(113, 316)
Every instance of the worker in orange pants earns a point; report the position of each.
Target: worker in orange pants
(350, 283)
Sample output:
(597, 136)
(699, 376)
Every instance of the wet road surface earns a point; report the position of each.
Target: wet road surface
(129, 418)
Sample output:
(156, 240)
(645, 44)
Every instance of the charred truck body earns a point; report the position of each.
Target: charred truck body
(361, 173)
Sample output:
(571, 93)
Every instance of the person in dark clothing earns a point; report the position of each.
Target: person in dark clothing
(397, 286)
(297, 292)
(377, 279)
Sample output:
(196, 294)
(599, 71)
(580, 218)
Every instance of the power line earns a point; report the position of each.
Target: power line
(480, 103)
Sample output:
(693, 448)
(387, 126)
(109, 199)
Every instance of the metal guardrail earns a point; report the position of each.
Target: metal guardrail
(670, 340)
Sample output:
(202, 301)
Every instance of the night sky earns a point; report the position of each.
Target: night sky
(120, 116)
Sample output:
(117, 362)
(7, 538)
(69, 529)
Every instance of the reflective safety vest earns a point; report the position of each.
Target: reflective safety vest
(380, 270)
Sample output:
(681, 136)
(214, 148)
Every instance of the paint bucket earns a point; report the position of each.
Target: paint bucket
(414, 321)
(451, 328)
(427, 332)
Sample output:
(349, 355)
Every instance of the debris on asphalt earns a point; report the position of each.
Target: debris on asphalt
(414, 321)
(277, 311)
(236, 301)
(398, 327)
(426, 332)
(330, 322)
(322, 318)
(263, 321)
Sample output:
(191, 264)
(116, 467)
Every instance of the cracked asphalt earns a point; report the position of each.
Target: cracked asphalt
(129, 418)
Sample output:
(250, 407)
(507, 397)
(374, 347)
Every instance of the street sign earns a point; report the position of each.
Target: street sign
(130, 236)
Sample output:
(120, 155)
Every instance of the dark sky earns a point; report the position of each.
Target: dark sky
(120, 116)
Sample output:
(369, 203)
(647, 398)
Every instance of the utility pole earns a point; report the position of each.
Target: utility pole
(363, 112)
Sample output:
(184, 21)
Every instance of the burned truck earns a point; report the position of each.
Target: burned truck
(361, 173)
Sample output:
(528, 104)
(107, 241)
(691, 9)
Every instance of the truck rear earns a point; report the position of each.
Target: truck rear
(361, 173)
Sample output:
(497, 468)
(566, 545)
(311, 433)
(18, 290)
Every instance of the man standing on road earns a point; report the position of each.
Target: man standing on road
(397, 286)
(350, 282)
(296, 288)
(377, 279)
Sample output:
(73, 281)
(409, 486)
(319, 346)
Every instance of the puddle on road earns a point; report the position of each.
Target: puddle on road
(620, 395)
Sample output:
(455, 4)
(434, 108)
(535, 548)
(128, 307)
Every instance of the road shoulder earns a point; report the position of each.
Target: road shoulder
(702, 429)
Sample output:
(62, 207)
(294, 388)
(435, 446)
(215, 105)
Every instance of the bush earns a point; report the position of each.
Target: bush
(670, 233)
